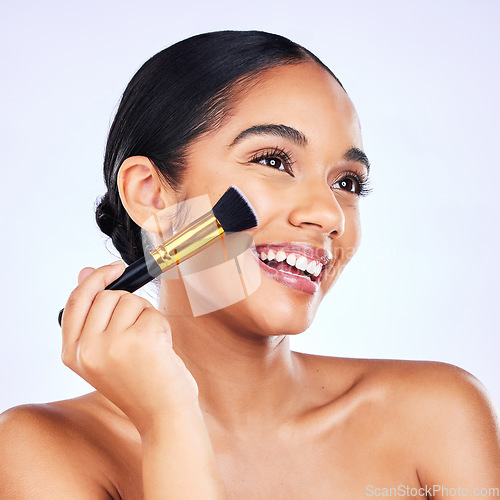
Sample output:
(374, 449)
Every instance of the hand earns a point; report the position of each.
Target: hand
(121, 345)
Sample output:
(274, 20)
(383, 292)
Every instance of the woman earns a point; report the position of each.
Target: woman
(229, 411)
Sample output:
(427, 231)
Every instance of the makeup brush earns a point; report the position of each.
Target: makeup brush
(231, 214)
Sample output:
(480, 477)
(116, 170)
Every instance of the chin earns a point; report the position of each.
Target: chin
(272, 314)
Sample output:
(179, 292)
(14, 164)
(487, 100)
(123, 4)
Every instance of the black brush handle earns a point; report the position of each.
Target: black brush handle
(139, 273)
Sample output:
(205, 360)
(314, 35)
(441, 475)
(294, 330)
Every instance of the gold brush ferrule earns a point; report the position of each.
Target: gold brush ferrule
(191, 240)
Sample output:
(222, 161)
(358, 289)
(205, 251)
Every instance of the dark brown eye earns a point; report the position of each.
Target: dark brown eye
(273, 162)
(347, 184)
(353, 182)
(275, 158)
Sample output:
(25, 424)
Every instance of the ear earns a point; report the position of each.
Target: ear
(144, 196)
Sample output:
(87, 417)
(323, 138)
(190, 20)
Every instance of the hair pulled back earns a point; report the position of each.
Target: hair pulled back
(180, 93)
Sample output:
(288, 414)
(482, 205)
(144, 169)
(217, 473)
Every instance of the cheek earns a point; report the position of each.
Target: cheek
(267, 196)
(265, 202)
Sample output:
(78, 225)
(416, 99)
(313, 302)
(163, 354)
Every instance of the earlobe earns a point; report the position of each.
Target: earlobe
(143, 194)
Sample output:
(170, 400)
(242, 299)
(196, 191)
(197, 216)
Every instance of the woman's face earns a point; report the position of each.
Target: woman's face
(292, 144)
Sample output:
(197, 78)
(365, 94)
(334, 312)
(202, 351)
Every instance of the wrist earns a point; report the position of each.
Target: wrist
(174, 417)
(175, 449)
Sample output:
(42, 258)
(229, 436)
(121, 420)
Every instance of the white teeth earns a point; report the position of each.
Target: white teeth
(311, 267)
(280, 256)
(301, 263)
(319, 267)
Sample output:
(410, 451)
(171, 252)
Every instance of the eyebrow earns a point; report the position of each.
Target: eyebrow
(286, 132)
(358, 155)
(277, 130)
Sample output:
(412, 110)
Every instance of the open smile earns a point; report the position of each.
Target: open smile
(296, 265)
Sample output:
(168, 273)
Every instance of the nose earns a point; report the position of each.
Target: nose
(317, 208)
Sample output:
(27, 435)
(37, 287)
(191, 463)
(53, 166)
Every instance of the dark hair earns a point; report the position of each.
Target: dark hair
(180, 93)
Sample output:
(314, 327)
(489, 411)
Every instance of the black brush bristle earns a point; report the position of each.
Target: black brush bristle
(234, 211)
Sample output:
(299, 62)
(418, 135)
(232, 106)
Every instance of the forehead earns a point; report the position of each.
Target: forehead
(303, 96)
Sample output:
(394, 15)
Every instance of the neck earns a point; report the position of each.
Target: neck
(246, 381)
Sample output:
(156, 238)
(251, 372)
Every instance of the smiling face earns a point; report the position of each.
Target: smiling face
(292, 144)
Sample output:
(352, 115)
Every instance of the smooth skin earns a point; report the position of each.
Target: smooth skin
(230, 411)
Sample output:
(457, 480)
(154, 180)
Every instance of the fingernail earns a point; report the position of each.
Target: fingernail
(116, 262)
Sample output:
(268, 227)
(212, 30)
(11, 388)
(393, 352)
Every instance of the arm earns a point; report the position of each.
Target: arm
(178, 458)
(122, 346)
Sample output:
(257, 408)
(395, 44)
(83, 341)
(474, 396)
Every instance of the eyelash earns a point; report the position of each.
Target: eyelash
(275, 154)
(362, 181)
(284, 157)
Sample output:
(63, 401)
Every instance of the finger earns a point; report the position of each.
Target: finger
(127, 310)
(85, 273)
(81, 299)
(101, 312)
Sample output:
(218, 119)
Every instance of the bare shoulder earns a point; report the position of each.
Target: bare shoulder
(427, 389)
(412, 385)
(457, 432)
(53, 451)
(423, 391)
(453, 423)
(437, 413)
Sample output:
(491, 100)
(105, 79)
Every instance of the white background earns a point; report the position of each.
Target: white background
(424, 77)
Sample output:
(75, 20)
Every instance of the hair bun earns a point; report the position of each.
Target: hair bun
(104, 215)
(122, 230)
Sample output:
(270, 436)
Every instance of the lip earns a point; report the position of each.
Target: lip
(307, 250)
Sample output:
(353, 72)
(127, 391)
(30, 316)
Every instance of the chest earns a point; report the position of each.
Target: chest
(339, 464)
(335, 467)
